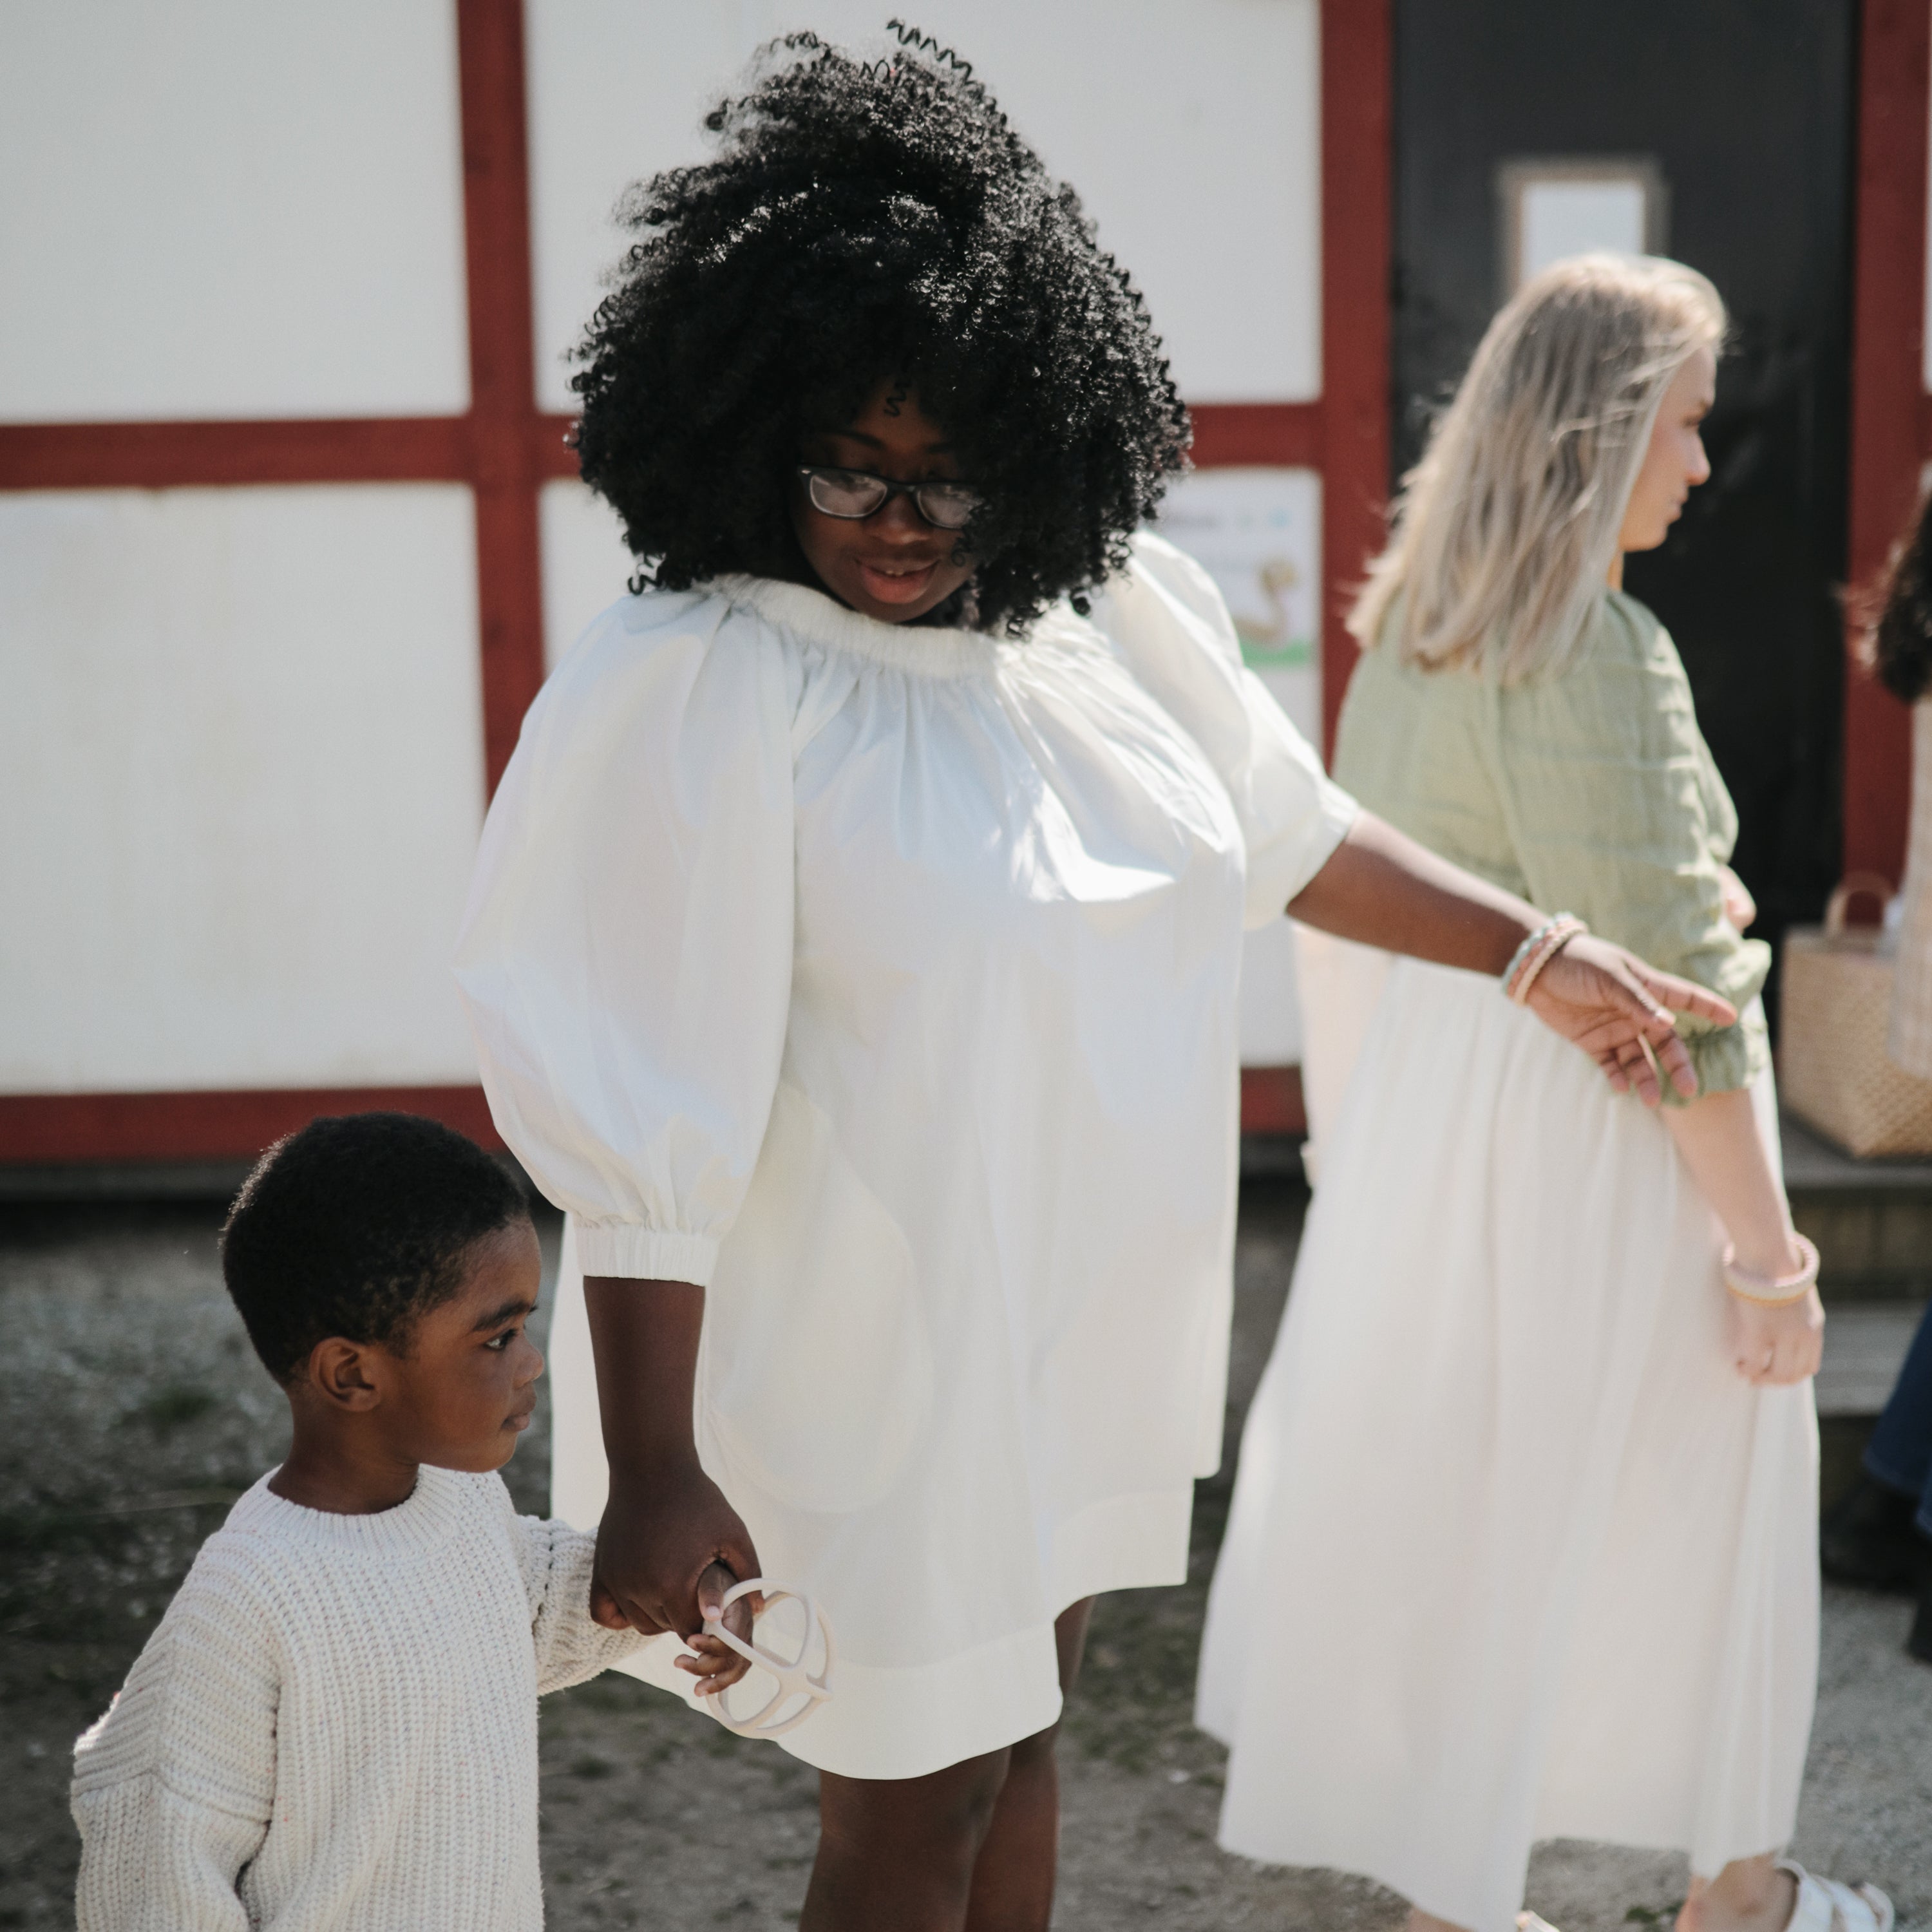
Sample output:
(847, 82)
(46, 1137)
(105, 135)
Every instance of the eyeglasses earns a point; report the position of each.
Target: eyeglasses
(856, 494)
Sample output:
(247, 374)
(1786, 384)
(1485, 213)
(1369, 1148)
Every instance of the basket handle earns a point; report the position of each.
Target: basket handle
(1855, 886)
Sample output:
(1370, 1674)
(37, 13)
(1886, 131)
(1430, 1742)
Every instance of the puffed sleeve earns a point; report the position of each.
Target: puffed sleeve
(1166, 619)
(625, 956)
(1617, 813)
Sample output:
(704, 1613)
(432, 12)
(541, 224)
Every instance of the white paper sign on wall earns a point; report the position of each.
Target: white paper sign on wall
(1549, 210)
(1258, 532)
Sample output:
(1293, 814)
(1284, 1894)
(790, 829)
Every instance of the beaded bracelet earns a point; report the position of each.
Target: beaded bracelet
(1536, 952)
(1772, 1291)
(1522, 953)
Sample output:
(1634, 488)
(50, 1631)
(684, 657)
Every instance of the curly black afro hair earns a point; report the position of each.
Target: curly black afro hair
(862, 222)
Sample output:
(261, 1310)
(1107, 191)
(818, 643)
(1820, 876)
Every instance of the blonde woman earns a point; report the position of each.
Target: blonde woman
(1523, 1541)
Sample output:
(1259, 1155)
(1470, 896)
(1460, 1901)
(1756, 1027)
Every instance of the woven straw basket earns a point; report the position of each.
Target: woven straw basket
(1833, 1072)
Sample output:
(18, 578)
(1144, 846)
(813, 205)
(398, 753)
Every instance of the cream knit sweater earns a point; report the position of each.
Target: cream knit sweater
(335, 1724)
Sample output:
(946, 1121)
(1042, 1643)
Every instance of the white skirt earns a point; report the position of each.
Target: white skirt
(1514, 1553)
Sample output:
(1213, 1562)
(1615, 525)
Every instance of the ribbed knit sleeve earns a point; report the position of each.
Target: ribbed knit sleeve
(173, 1788)
(1617, 813)
(556, 1562)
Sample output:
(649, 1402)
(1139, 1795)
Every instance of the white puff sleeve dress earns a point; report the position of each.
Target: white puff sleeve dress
(882, 980)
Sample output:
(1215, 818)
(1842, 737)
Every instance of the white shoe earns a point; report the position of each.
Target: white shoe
(1531, 1921)
(1824, 1905)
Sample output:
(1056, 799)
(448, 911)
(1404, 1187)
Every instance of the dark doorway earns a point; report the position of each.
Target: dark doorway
(1745, 109)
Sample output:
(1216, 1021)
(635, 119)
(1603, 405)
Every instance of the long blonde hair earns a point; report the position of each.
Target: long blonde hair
(1504, 534)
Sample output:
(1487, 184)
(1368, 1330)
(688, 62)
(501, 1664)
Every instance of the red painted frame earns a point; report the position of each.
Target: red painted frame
(1357, 241)
(505, 448)
(1346, 435)
(54, 1128)
(1892, 420)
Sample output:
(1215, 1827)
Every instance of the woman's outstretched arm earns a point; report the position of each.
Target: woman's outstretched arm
(1382, 889)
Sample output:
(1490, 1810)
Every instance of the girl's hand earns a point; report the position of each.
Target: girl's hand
(1607, 1001)
(1775, 1346)
(1740, 908)
(669, 1547)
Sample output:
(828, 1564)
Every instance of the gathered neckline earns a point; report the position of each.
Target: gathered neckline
(925, 650)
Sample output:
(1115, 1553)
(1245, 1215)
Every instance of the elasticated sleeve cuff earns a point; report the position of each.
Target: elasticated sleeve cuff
(1727, 1059)
(638, 1253)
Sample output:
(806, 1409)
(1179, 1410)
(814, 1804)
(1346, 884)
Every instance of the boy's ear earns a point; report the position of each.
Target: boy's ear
(344, 1375)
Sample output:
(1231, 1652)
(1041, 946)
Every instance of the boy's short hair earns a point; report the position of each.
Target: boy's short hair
(356, 1226)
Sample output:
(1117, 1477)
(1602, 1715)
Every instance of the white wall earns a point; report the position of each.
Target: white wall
(241, 767)
(1192, 132)
(240, 728)
(586, 565)
(226, 208)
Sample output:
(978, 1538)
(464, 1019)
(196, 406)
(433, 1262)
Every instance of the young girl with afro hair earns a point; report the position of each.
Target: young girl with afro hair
(854, 946)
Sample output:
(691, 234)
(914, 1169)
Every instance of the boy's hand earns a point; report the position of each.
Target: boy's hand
(716, 1666)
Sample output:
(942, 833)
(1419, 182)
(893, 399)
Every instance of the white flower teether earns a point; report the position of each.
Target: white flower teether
(795, 1678)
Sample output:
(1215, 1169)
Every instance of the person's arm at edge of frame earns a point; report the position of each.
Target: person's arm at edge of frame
(1380, 888)
(668, 1531)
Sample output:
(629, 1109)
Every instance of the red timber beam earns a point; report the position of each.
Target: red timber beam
(328, 449)
(54, 1129)
(1264, 434)
(1357, 170)
(1344, 435)
(1889, 419)
(505, 427)
(503, 448)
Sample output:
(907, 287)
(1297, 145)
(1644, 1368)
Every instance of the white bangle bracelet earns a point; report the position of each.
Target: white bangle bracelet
(1536, 952)
(1772, 1290)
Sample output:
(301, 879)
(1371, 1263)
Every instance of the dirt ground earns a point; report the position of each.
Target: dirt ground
(132, 1413)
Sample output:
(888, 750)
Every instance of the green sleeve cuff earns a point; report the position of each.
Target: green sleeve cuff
(1725, 1059)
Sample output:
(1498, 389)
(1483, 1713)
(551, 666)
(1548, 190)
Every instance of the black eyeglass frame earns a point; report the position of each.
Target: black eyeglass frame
(812, 472)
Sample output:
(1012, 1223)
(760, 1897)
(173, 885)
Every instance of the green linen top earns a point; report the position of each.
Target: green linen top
(1591, 790)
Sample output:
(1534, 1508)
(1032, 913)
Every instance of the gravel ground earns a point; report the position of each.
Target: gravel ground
(133, 1414)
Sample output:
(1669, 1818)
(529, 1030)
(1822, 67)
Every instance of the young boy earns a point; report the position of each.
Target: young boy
(335, 1723)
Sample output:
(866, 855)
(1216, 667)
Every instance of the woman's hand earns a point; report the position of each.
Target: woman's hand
(1774, 1346)
(1380, 888)
(668, 1549)
(1724, 1147)
(1605, 1000)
